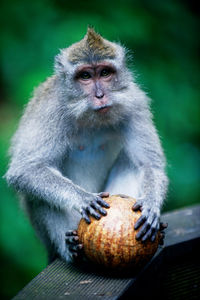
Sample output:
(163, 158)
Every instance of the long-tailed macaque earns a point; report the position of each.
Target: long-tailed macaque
(87, 133)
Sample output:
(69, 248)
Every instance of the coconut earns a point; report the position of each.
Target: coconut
(111, 241)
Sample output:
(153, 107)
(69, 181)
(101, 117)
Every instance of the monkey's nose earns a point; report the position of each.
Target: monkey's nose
(99, 94)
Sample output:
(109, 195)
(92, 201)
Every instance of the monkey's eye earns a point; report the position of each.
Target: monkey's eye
(84, 75)
(105, 72)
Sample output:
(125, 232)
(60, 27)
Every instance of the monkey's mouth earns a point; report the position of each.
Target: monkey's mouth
(103, 108)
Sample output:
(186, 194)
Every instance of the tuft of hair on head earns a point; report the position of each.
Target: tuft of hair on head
(92, 47)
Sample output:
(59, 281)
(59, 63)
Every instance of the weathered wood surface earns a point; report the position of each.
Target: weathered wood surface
(67, 281)
(183, 225)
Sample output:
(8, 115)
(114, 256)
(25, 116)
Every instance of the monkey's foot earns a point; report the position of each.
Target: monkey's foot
(72, 241)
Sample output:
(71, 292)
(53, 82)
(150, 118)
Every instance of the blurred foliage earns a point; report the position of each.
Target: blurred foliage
(162, 37)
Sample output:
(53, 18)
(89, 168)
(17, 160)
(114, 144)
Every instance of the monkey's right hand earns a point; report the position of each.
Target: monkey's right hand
(94, 206)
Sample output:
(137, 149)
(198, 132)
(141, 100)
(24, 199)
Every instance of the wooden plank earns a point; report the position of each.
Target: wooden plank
(67, 281)
(183, 225)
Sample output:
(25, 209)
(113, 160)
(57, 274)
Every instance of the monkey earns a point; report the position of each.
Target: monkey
(86, 133)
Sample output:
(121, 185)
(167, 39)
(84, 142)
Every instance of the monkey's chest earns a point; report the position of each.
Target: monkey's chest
(88, 164)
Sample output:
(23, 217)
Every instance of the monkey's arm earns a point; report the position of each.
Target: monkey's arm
(44, 182)
(144, 150)
(37, 151)
(139, 172)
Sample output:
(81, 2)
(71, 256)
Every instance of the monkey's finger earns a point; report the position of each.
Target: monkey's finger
(148, 234)
(103, 194)
(140, 221)
(152, 219)
(161, 240)
(142, 231)
(153, 237)
(93, 213)
(152, 231)
(72, 240)
(102, 202)
(76, 248)
(77, 257)
(70, 232)
(137, 207)
(99, 208)
(163, 225)
(85, 216)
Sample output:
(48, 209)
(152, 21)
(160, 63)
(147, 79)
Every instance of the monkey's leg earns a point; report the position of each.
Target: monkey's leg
(123, 180)
(72, 241)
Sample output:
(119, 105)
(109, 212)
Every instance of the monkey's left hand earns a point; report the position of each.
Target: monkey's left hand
(149, 222)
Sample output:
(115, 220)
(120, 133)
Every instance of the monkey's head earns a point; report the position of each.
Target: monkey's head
(95, 80)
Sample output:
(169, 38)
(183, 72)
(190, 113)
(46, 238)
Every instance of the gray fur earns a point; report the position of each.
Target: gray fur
(120, 153)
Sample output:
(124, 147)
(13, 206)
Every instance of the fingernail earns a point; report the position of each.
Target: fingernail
(137, 236)
(106, 194)
(136, 225)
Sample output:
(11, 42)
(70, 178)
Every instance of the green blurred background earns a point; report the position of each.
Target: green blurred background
(163, 37)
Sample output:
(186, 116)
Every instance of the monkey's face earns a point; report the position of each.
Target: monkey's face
(95, 81)
(98, 89)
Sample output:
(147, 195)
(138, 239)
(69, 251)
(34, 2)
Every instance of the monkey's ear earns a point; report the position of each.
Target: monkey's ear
(58, 64)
